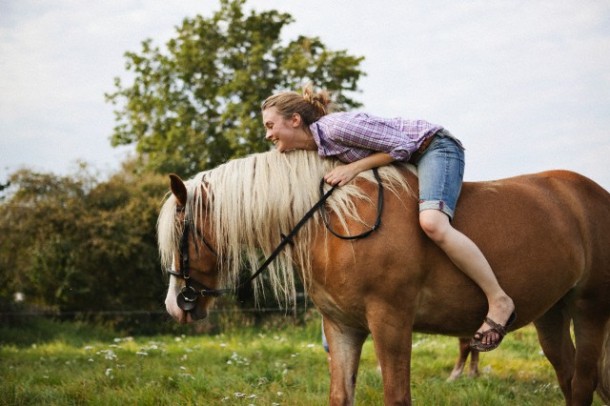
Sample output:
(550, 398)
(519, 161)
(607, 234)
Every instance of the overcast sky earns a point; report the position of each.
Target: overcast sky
(525, 85)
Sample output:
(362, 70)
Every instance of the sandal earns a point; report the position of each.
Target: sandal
(477, 340)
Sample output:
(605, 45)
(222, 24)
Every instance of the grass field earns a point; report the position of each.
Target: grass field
(48, 363)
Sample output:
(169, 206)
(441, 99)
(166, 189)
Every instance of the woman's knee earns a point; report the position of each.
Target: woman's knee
(434, 223)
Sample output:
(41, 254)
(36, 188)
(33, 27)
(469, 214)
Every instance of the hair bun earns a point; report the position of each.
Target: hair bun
(320, 100)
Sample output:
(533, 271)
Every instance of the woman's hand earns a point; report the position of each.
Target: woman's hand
(342, 174)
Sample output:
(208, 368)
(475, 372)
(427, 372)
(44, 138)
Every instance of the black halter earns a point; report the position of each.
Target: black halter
(192, 290)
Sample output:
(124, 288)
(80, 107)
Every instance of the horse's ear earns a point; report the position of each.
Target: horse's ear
(178, 188)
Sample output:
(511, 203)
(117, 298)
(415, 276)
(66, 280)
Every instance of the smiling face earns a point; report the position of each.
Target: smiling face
(286, 134)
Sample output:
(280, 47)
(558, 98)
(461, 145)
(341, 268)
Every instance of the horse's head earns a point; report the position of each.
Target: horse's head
(193, 262)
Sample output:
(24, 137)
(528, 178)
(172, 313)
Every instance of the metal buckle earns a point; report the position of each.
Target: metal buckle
(187, 299)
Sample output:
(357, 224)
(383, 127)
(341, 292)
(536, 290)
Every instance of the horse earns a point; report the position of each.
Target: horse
(546, 235)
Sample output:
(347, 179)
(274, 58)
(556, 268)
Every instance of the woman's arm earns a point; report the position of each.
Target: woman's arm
(344, 173)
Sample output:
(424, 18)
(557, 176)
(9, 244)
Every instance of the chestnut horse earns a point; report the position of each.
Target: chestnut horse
(546, 235)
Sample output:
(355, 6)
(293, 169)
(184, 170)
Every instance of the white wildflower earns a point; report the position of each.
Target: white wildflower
(108, 354)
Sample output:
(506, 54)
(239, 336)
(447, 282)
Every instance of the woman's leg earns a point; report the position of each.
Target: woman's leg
(470, 260)
(441, 169)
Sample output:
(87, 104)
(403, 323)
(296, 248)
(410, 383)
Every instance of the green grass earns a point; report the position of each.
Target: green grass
(72, 364)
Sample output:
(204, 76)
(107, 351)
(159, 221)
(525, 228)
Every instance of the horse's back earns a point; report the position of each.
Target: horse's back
(558, 206)
(573, 207)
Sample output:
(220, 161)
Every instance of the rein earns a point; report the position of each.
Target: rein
(192, 290)
(379, 212)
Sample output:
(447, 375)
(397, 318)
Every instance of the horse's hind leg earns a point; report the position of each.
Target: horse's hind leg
(464, 352)
(589, 328)
(554, 337)
(345, 347)
(474, 359)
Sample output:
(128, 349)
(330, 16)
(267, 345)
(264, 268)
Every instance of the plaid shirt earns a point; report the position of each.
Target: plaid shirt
(353, 136)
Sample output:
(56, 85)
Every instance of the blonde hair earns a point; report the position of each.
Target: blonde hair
(310, 105)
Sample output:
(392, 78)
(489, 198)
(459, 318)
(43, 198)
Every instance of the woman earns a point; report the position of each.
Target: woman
(294, 121)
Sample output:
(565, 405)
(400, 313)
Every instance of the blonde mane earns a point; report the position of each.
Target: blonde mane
(250, 202)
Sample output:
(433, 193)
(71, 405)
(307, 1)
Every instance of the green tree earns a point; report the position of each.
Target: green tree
(38, 231)
(71, 243)
(197, 104)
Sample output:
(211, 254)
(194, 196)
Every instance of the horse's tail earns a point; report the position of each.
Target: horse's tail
(603, 388)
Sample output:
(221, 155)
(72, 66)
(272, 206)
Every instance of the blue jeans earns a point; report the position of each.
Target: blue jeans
(441, 171)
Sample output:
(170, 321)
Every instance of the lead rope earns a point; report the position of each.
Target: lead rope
(324, 196)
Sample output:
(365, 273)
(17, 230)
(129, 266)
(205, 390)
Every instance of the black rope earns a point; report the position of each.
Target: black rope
(288, 239)
(324, 196)
(377, 221)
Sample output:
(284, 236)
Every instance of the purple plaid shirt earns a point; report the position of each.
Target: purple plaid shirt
(352, 136)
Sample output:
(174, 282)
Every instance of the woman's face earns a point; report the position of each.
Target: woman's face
(286, 134)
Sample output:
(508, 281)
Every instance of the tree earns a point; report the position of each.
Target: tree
(38, 227)
(71, 243)
(197, 104)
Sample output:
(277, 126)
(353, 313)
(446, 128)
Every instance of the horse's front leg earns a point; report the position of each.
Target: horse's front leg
(345, 347)
(392, 338)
